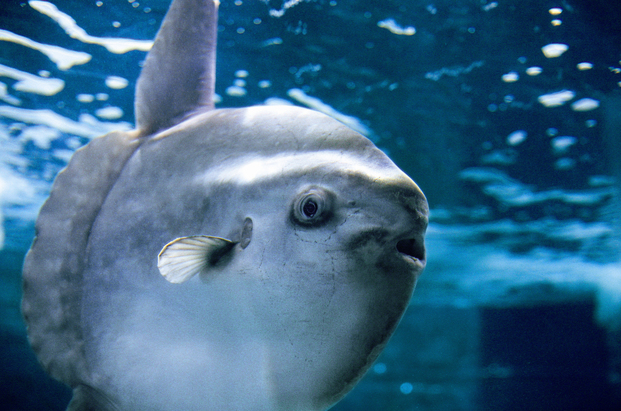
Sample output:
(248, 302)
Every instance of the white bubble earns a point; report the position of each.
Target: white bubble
(585, 104)
(590, 123)
(584, 66)
(551, 132)
(240, 83)
(271, 42)
(556, 22)
(534, 71)
(510, 77)
(235, 91)
(109, 113)
(490, 6)
(554, 50)
(101, 96)
(85, 98)
(265, 83)
(556, 99)
(555, 11)
(241, 73)
(517, 137)
(561, 144)
(406, 388)
(116, 82)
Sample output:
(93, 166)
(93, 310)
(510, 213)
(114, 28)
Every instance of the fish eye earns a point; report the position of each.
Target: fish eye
(309, 208)
(312, 207)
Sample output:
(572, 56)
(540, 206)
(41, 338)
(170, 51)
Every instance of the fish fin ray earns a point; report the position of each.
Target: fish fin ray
(184, 257)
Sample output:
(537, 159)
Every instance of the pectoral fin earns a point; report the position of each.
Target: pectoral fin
(183, 258)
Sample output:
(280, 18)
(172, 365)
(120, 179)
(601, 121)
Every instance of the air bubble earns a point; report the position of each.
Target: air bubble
(379, 368)
(406, 388)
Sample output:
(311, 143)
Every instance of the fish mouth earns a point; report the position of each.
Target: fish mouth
(412, 250)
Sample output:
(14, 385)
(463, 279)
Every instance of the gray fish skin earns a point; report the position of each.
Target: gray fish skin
(294, 309)
(184, 55)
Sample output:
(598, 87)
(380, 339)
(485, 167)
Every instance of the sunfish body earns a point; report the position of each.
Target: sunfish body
(237, 259)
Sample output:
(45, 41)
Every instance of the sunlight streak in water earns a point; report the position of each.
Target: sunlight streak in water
(32, 84)
(67, 23)
(63, 58)
(88, 126)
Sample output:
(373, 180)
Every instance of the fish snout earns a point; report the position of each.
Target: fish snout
(410, 240)
(411, 249)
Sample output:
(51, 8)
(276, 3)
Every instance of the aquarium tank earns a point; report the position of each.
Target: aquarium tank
(506, 113)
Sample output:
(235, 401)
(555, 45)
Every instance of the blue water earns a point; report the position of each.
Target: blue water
(520, 306)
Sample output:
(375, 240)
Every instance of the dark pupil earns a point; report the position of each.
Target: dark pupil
(310, 208)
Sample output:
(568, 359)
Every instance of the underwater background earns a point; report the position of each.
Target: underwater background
(506, 113)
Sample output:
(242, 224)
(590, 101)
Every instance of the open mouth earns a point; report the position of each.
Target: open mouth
(412, 249)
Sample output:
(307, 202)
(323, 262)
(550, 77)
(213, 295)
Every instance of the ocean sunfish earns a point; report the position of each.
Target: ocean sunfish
(239, 259)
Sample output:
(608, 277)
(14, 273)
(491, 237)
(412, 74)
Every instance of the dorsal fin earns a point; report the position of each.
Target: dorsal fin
(179, 74)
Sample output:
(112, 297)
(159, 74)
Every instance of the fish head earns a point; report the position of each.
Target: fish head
(329, 236)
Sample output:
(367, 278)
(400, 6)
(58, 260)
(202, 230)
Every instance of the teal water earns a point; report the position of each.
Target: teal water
(518, 154)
